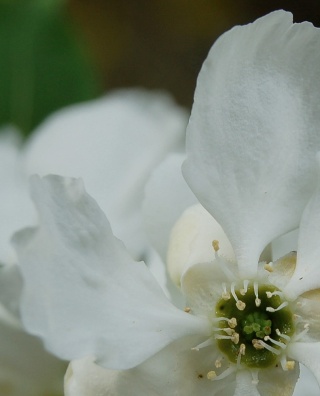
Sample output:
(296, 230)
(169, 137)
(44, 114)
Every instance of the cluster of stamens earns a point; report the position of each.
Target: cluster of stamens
(253, 324)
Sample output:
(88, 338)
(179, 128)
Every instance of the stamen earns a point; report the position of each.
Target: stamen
(187, 309)
(268, 267)
(275, 293)
(225, 294)
(290, 364)
(286, 337)
(220, 318)
(218, 363)
(255, 379)
(242, 352)
(256, 344)
(203, 344)
(265, 345)
(215, 245)
(256, 291)
(225, 329)
(212, 375)
(298, 337)
(278, 343)
(270, 309)
(245, 287)
(232, 323)
(234, 337)
(239, 304)
(287, 364)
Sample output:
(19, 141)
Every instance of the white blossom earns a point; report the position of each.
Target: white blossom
(251, 162)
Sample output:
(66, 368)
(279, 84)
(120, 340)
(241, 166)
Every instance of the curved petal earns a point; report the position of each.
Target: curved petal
(282, 270)
(113, 144)
(308, 355)
(253, 131)
(284, 244)
(25, 367)
(307, 274)
(306, 384)
(16, 209)
(191, 241)
(167, 195)
(84, 295)
(177, 370)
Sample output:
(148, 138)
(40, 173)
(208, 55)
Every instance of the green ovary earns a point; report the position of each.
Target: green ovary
(254, 326)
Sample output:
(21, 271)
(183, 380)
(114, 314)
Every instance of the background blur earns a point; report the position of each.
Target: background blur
(58, 52)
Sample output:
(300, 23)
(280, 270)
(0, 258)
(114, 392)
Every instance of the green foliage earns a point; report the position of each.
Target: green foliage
(42, 64)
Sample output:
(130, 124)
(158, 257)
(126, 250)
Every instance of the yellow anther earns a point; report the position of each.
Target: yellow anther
(232, 323)
(218, 363)
(235, 338)
(240, 305)
(290, 364)
(215, 245)
(256, 344)
(211, 375)
(187, 309)
(268, 267)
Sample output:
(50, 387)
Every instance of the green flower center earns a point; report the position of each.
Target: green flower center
(254, 325)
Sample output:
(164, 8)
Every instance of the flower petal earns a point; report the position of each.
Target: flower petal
(167, 196)
(202, 286)
(113, 144)
(176, 370)
(308, 308)
(191, 241)
(25, 367)
(245, 385)
(277, 382)
(307, 274)
(83, 293)
(254, 129)
(16, 209)
(308, 355)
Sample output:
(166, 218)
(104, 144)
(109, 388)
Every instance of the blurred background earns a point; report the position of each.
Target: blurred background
(58, 52)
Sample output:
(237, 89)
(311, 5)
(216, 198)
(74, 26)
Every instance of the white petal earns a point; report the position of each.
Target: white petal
(113, 144)
(25, 367)
(202, 285)
(16, 209)
(284, 244)
(245, 385)
(167, 196)
(307, 274)
(177, 370)
(308, 307)
(83, 293)
(10, 288)
(307, 354)
(306, 384)
(277, 382)
(254, 130)
(191, 241)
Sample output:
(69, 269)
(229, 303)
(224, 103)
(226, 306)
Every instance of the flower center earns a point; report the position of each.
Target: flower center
(254, 324)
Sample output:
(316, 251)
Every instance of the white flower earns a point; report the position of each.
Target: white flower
(251, 147)
(97, 140)
(26, 368)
